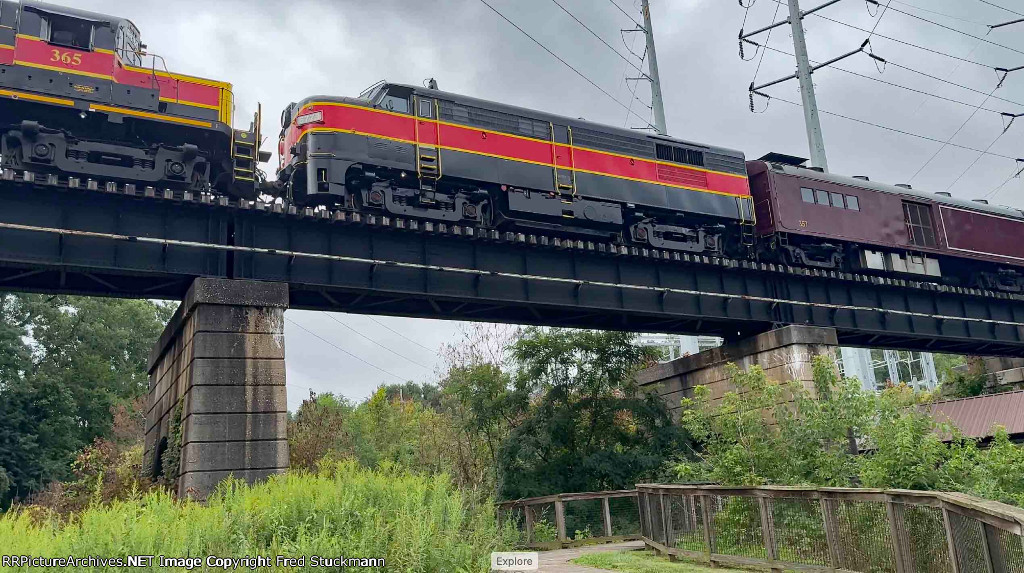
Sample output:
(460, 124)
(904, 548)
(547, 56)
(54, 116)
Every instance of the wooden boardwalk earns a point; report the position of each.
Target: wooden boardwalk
(559, 560)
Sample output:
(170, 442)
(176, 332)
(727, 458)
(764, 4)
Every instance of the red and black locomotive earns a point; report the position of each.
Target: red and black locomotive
(77, 102)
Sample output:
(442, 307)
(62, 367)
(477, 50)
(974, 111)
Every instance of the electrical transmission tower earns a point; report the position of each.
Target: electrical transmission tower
(652, 71)
(804, 69)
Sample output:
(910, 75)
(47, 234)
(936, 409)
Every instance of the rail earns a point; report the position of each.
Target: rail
(833, 529)
(570, 519)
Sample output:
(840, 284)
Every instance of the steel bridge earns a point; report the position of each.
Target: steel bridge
(86, 237)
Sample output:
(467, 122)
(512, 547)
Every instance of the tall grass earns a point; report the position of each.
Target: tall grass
(415, 522)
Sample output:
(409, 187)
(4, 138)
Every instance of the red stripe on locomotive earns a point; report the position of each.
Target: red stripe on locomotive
(372, 122)
(40, 53)
(6, 55)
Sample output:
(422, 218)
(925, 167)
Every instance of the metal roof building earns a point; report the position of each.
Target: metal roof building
(976, 416)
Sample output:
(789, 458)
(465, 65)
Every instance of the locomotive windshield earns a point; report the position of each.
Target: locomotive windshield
(67, 31)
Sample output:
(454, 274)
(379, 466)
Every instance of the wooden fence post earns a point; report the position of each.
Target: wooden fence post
(709, 524)
(995, 561)
(897, 533)
(768, 531)
(607, 513)
(529, 523)
(560, 520)
(666, 519)
(828, 521)
(954, 560)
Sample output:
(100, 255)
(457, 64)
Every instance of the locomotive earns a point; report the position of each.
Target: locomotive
(420, 152)
(77, 102)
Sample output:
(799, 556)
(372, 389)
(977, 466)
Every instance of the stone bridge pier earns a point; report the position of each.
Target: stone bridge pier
(217, 404)
(785, 354)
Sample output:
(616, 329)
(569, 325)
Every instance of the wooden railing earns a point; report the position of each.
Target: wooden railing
(569, 519)
(833, 529)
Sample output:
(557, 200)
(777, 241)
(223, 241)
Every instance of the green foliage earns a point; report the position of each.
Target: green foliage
(756, 435)
(964, 384)
(417, 523)
(544, 531)
(65, 363)
(427, 394)
(170, 459)
(580, 422)
(767, 433)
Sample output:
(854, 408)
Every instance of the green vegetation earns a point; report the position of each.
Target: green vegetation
(65, 364)
(416, 522)
(643, 562)
(766, 433)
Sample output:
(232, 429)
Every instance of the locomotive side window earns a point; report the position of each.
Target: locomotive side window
(426, 108)
(852, 203)
(807, 194)
(918, 218)
(561, 134)
(395, 103)
(67, 32)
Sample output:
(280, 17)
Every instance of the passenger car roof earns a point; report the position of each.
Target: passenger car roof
(812, 174)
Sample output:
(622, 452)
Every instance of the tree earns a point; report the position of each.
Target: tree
(583, 424)
(65, 363)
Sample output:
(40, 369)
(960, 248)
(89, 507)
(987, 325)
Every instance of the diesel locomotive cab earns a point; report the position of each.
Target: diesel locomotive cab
(81, 102)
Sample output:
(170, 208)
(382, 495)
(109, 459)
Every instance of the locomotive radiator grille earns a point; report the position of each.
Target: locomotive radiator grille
(682, 176)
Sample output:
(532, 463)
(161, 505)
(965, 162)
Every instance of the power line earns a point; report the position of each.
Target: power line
(937, 13)
(767, 39)
(901, 86)
(609, 46)
(554, 55)
(879, 20)
(904, 42)
(892, 129)
(976, 159)
(396, 353)
(616, 4)
(322, 339)
(1013, 175)
(392, 330)
(1000, 7)
(958, 130)
(945, 81)
(952, 29)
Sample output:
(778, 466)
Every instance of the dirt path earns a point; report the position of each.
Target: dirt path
(558, 561)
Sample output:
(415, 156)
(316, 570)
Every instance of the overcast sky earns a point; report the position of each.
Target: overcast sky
(278, 52)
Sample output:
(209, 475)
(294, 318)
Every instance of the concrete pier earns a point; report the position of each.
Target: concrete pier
(785, 354)
(217, 403)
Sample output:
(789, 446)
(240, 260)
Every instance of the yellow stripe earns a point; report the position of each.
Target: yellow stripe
(354, 132)
(533, 139)
(34, 97)
(103, 51)
(27, 37)
(54, 68)
(177, 76)
(6, 47)
(121, 110)
(191, 103)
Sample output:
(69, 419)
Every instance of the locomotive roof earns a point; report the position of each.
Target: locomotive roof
(562, 120)
(806, 173)
(73, 12)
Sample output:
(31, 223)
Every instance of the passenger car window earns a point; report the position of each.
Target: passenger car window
(822, 196)
(852, 203)
(395, 103)
(837, 200)
(918, 218)
(807, 195)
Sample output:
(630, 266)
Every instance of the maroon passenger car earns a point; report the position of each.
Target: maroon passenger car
(806, 217)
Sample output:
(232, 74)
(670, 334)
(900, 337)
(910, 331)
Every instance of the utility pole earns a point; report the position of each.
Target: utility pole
(803, 70)
(652, 66)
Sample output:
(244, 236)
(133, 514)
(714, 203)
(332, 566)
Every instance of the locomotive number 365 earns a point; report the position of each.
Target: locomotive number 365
(66, 58)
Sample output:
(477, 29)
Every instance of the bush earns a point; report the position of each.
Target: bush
(415, 522)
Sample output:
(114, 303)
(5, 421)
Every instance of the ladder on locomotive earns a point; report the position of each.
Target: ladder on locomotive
(565, 178)
(428, 147)
(245, 155)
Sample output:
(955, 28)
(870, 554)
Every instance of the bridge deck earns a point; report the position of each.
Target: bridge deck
(142, 243)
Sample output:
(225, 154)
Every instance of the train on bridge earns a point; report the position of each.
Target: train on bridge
(78, 102)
